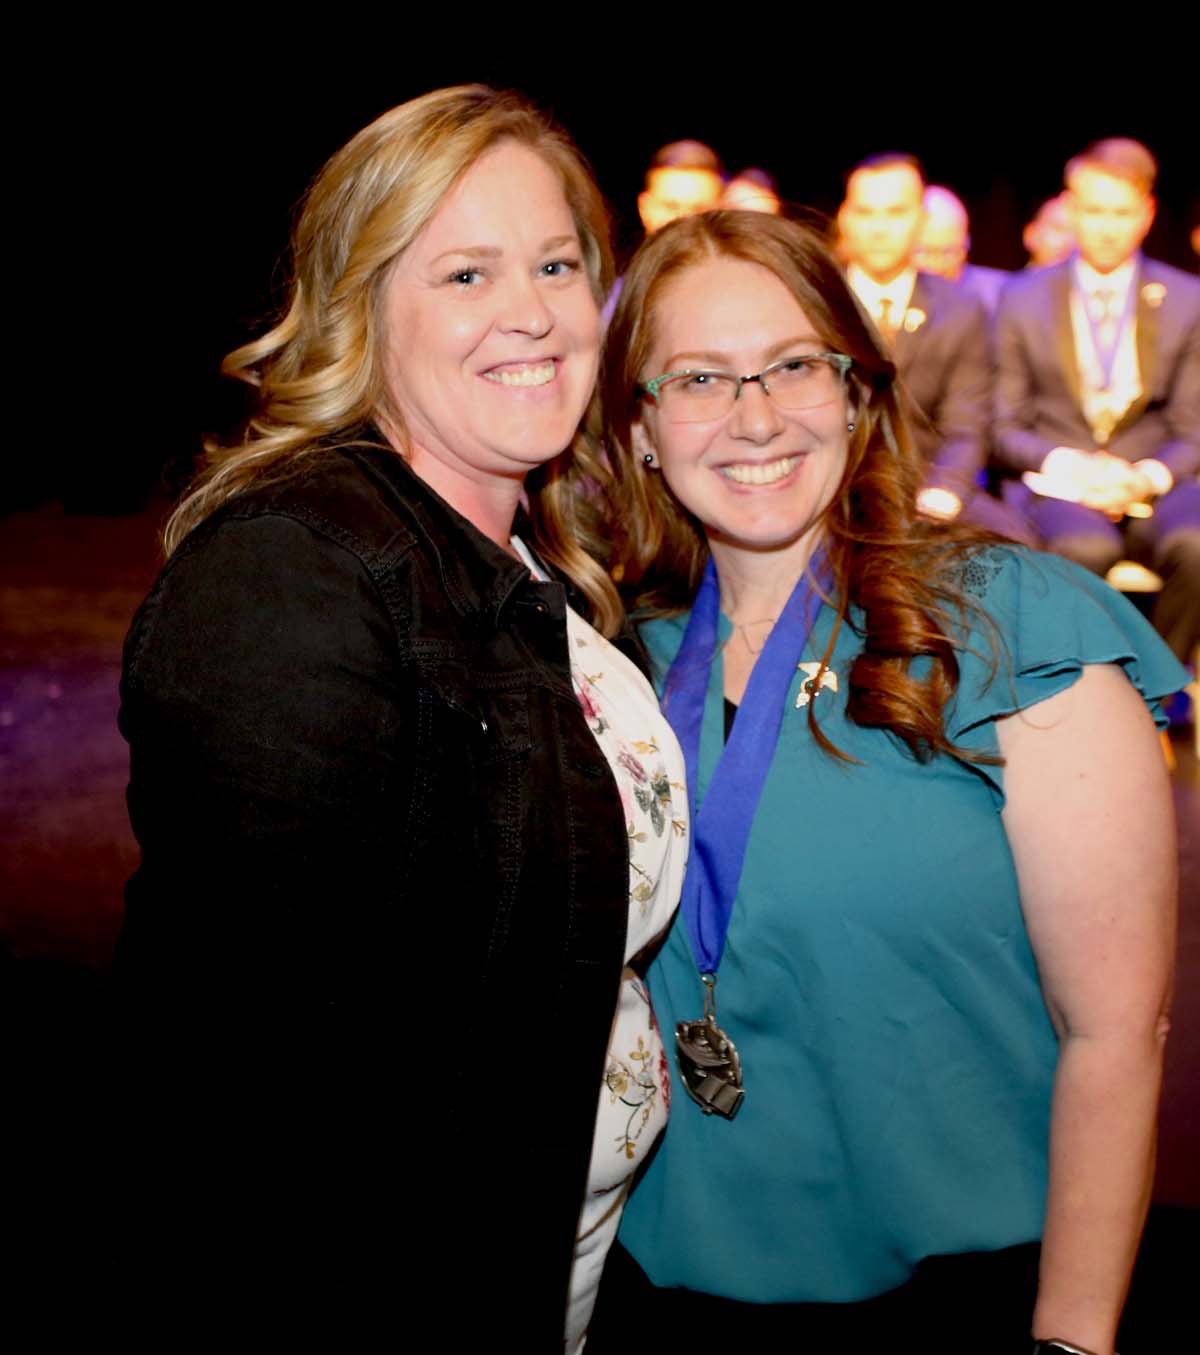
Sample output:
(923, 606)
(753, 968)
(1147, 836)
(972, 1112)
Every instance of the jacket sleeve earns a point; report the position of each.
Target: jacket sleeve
(965, 409)
(1016, 446)
(271, 772)
(1181, 453)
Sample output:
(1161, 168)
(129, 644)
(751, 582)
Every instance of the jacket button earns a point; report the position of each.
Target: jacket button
(483, 725)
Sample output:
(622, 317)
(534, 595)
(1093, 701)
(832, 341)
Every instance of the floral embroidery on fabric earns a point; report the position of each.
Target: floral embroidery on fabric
(635, 1081)
(652, 789)
(632, 766)
(664, 1065)
(587, 702)
(647, 768)
(655, 800)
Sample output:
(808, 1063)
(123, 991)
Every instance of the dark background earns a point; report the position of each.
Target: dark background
(170, 184)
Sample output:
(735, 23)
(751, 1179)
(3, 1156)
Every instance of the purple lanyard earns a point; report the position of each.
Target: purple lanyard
(1106, 354)
(721, 827)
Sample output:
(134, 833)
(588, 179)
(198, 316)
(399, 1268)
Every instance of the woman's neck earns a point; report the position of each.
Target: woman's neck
(755, 588)
(757, 584)
(488, 502)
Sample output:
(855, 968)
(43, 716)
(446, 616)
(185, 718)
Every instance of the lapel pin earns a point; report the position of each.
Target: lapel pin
(809, 687)
(1154, 293)
(914, 318)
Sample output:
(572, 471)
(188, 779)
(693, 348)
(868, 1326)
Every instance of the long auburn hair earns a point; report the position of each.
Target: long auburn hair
(317, 374)
(901, 572)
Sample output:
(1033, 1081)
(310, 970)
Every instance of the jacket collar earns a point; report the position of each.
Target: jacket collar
(477, 575)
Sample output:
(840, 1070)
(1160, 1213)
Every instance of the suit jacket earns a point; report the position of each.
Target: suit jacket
(1038, 391)
(944, 358)
(984, 283)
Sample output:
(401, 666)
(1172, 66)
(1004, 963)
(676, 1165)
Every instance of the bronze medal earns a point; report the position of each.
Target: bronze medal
(708, 1060)
(710, 1067)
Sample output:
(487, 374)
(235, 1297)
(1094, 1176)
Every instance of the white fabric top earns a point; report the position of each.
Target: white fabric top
(647, 763)
(1104, 296)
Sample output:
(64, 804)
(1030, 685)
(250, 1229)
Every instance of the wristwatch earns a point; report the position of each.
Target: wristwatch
(1061, 1347)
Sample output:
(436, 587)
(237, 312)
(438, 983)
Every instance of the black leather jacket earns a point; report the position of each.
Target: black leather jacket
(371, 811)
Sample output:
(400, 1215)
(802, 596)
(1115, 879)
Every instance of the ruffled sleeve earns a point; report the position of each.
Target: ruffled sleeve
(1050, 619)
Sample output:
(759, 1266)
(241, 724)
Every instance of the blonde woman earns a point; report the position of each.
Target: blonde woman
(406, 807)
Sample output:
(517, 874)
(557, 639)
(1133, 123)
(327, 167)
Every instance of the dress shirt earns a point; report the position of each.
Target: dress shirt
(1102, 295)
(897, 293)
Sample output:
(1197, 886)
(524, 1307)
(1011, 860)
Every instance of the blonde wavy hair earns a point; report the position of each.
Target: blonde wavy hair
(318, 373)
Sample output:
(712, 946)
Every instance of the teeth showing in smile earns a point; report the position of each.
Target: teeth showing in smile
(523, 376)
(760, 475)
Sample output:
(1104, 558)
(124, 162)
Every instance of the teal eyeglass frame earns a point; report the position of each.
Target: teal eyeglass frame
(842, 361)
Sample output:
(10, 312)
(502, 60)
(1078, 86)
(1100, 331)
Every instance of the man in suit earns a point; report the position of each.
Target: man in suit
(1098, 393)
(938, 335)
(944, 243)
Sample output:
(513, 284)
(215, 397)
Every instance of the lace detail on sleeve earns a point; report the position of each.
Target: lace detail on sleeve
(980, 571)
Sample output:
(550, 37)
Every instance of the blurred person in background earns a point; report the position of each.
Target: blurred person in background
(1049, 237)
(1098, 391)
(752, 190)
(683, 177)
(944, 243)
(937, 332)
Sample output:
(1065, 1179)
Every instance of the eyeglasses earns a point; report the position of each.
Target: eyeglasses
(696, 396)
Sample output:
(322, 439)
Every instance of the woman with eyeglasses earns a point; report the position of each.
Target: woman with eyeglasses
(919, 981)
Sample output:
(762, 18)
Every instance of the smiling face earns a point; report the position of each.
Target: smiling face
(759, 478)
(491, 332)
(1111, 217)
(881, 219)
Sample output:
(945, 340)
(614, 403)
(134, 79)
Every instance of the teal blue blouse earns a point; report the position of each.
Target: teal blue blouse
(877, 979)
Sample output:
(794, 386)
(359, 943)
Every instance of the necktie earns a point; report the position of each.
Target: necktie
(886, 327)
(1106, 318)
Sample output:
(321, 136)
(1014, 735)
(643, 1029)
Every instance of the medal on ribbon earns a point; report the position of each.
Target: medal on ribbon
(709, 1063)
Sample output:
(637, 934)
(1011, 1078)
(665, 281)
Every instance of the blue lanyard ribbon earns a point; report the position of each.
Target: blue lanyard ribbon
(721, 826)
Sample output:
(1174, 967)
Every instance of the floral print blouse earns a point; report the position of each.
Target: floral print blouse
(622, 712)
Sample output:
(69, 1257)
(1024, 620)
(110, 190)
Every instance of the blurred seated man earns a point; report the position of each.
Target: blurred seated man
(684, 177)
(1098, 391)
(1050, 237)
(944, 243)
(938, 334)
(752, 190)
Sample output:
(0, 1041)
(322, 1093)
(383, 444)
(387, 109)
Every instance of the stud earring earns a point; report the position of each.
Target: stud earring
(648, 459)
(850, 426)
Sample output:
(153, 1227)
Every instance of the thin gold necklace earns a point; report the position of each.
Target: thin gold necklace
(743, 628)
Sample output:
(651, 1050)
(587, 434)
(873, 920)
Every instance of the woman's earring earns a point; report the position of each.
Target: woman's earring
(850, 426)
(648, 459)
